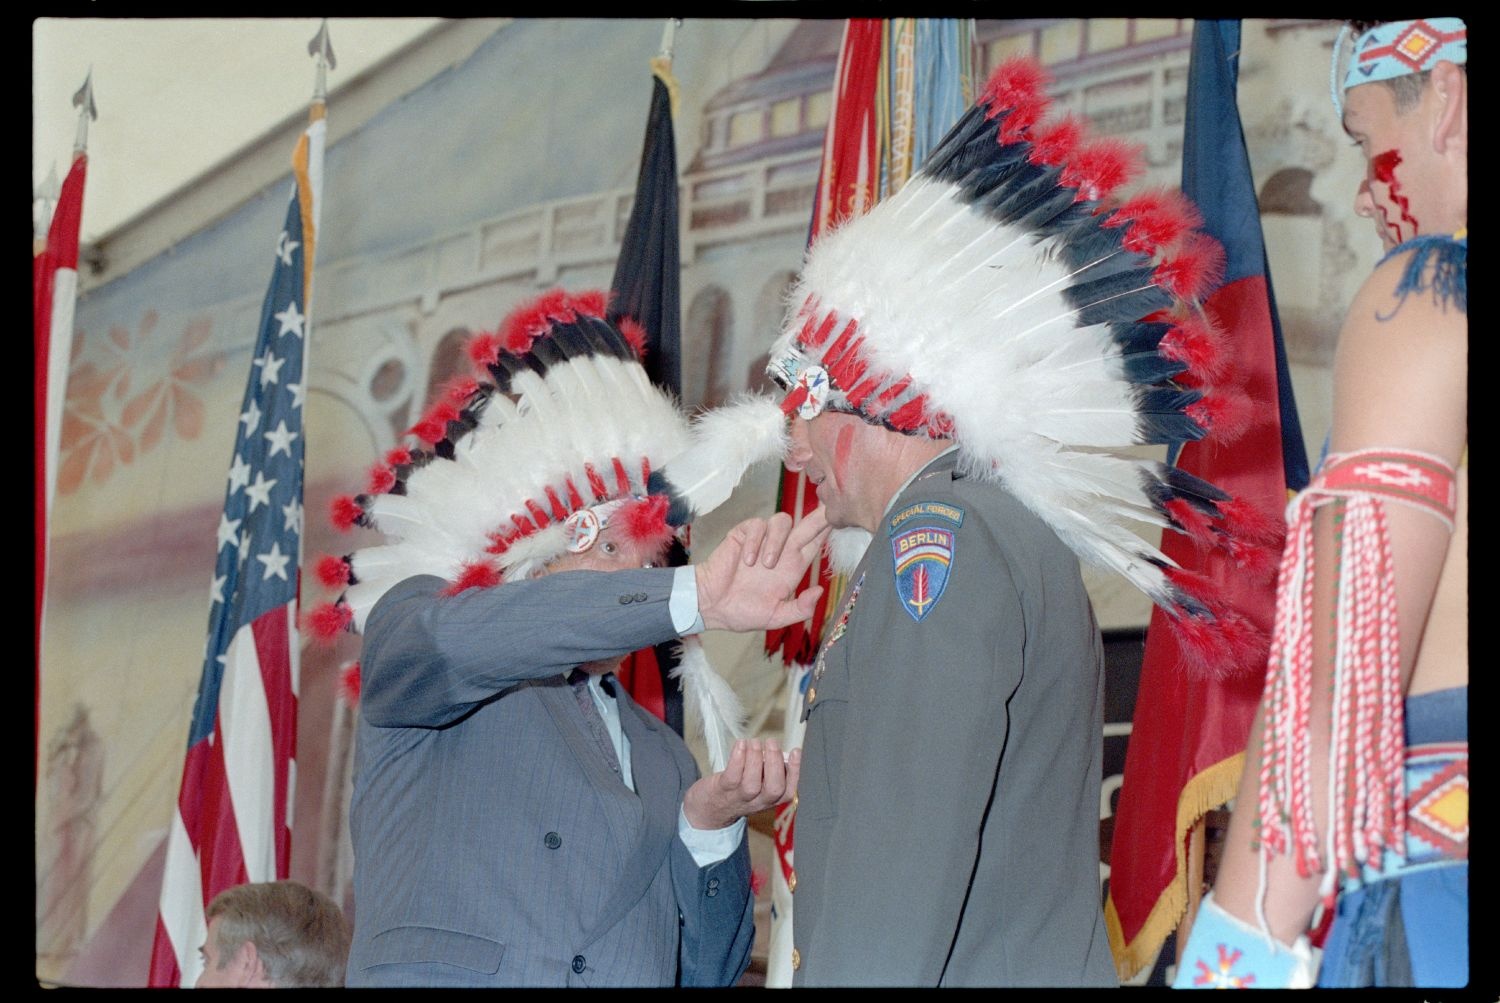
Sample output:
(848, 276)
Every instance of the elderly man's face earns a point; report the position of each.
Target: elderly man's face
(830, 449)
(614, 550)
(220, 972)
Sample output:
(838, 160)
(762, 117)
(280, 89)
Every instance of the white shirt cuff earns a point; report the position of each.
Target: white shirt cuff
(709, 846)
(683, 604)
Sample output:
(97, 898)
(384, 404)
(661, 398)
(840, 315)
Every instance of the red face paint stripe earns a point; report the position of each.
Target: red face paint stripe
(1384, 165)
(842, 446)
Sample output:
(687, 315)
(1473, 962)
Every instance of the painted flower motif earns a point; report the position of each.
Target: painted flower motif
(105, 426)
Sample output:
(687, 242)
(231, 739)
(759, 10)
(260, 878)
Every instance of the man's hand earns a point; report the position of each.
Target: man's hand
(750, 580)
(757, 777)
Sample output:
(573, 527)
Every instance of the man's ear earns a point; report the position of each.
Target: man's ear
(1450, 87)
(248, 970)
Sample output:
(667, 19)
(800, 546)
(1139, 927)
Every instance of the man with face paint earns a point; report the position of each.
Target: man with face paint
(1351, 822)
(965, 367)
(517, 819)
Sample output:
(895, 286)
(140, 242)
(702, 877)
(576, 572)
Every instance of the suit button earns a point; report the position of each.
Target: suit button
(796, 959)
(553, 840)
(625, 600)
(713, 887)
(641, 597)
(791, 882)
(579, 963)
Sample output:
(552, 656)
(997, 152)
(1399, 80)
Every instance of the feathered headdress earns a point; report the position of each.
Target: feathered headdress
(1004, 300)
(559, 434)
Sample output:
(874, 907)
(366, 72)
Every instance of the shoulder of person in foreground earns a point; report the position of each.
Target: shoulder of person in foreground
(1401, 370)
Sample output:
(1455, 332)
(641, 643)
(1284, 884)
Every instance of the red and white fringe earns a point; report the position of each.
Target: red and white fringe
(1365, 771)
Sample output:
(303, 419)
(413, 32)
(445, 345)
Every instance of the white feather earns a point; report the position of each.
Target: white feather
(727, 441)
(718, 708)
(846, 548)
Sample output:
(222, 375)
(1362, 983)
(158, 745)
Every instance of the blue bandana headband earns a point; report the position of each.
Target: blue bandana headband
(1397, 49)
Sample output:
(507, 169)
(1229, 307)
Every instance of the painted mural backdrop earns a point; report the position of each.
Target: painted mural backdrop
(505, 174)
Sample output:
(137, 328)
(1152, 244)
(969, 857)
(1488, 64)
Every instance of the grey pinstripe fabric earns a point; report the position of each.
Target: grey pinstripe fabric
(495, 845)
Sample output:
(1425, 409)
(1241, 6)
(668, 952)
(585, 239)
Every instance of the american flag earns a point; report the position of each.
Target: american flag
(233, 819)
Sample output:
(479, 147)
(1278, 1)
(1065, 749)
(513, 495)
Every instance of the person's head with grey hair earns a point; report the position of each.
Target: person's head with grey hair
(274, 935)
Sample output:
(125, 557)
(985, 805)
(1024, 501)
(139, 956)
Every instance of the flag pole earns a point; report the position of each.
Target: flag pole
(83, 100)
(47, 196)
(668, 38)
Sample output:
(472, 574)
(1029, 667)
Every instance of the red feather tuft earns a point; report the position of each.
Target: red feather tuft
(1141, 203)
(1225, 647)
(1222, 645)
(1194, 522)
(645, 521)
(1056, 142)
(484, 348)
(344, 511)
(459, 390)
(1256, 559)
(1100, 167)
(1194, 270)
(531, 320)
(349, 684)
(398, 457)
(1162, 226)
(382, 479)
(1017, 80)
(634, 334)
(1199, 343)
(1226, 413)
(434, 424)
(1022, 117)
(590, 302)
(329, 620)
(1243, 519)
(333, 571)
(475, 575)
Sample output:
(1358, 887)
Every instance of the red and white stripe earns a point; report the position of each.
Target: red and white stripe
(234, 813)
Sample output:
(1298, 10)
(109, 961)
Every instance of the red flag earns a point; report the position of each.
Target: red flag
(847, 187)
(1188, 740)
(233, 819)
(54, 275)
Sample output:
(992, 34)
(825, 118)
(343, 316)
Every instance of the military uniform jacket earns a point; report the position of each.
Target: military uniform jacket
(947, 822)
(495, 843)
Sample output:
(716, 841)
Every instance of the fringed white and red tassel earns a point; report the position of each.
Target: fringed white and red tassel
(1366, 782)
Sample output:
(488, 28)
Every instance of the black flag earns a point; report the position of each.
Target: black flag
(645, 290)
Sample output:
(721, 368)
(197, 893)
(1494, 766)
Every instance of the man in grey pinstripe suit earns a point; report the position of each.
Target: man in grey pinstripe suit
(519, 822)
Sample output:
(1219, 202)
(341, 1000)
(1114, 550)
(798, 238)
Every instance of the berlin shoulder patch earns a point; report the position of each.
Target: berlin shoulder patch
(923, 546)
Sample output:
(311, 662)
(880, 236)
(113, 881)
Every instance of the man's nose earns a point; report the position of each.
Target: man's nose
(1364, 199)
(797, 451)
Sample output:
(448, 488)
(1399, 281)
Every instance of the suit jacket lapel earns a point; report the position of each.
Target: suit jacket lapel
(621, 809)
(658, 784)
